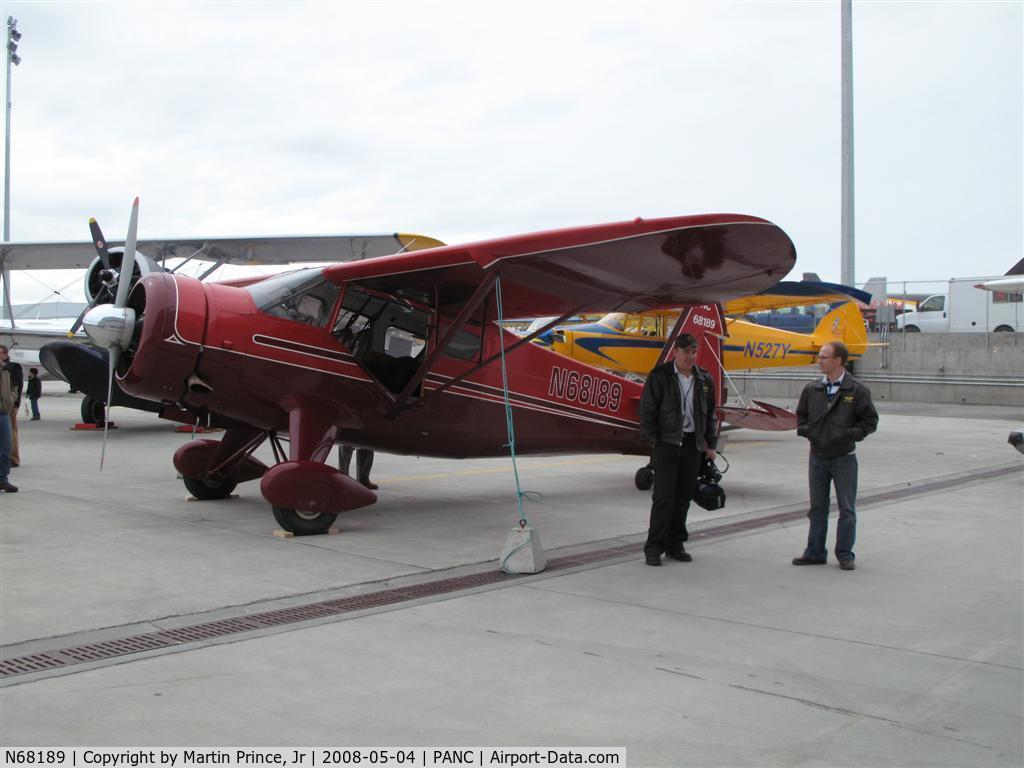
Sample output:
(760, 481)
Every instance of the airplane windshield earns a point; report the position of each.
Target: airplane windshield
(303, 296)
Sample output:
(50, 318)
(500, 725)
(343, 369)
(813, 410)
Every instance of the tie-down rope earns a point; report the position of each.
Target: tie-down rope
(510, 429)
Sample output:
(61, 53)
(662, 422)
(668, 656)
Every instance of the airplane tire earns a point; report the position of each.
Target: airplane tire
(93, 411)
(303, 523)
(644, 478)
(207, 489)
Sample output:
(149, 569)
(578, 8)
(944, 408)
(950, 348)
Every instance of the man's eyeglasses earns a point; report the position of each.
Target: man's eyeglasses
(825, 357)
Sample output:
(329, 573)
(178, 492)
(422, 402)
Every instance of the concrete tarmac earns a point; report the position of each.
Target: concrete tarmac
(916, 658)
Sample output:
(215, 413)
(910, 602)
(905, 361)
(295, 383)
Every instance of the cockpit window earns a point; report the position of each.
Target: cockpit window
(616, 321)
(303, 296)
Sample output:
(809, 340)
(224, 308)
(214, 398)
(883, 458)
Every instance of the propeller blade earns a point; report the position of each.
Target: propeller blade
(78, 323)
(100, 242)
(114, 353)
(124, 282)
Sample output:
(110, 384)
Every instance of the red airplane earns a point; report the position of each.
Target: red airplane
(403, 353)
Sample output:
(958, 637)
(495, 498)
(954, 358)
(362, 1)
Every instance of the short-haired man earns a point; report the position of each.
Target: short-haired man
(677, 416)
(834, 414)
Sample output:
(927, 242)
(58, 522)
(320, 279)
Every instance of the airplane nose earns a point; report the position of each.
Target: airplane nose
(109, 326)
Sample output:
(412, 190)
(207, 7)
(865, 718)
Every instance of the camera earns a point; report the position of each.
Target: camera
(709, 472)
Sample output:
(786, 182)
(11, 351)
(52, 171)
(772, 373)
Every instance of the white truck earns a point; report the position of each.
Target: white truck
(966, 308)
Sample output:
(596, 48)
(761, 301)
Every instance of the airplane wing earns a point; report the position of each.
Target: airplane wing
(789, 293)
(629, 266)
(255, 251)
(1012, 284)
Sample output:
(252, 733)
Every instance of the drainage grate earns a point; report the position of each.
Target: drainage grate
(166, 638)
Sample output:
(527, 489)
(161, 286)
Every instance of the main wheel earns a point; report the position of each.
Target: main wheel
(304, 523)
(93, 411)
(644, 478)
(207, 489)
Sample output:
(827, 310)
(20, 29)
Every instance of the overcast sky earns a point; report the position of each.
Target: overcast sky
(473, 120)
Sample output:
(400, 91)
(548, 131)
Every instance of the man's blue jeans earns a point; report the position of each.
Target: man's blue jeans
(823, 472)
(5, 446)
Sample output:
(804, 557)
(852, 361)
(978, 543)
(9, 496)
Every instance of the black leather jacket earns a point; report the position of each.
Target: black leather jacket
(834, 428)
(661, 416)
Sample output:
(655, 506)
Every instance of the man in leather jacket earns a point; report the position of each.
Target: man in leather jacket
(834, 414)
(677, 415)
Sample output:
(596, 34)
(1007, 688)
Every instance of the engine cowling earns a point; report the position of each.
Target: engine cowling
(101, 283)
(170, 325)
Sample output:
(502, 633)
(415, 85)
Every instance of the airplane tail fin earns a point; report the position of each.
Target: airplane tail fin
(845, 324)
(705, 323)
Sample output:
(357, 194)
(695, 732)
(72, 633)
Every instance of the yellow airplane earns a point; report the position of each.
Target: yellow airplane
(631, 343)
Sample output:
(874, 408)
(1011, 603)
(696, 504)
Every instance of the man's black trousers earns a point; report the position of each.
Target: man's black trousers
(675, 479)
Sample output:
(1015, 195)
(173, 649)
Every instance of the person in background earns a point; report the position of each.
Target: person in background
(33, 391)
(364, 463)
(18, 383)
(834, 414)
(8, 398)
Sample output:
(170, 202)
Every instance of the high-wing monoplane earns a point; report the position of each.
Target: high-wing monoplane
(631, 342)
(86, 369)
(402, 353)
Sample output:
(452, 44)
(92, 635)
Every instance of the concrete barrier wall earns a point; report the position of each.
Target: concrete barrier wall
(974, 368)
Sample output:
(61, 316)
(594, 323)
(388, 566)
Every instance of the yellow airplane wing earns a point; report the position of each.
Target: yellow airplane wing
(789, 293)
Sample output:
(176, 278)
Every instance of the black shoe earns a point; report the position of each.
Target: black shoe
(808, 560)
(34, 418)
(847, 564)
(652, 560)
(682, 556)
(368, 484)
(8, 488)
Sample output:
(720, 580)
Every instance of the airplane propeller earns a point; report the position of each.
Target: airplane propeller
(100, 242)
(108, 277)
(111, 325)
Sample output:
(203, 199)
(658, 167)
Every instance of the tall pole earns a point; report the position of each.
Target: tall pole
(848, 267)
(13, 36)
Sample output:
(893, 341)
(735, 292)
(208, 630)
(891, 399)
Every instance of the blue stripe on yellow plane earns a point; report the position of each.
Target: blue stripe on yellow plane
(631, 342)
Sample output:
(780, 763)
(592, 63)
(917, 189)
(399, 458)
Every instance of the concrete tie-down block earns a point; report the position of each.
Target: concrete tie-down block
(523, 552)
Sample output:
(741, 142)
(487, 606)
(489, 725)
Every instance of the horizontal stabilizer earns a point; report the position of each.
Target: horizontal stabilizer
(765, 417)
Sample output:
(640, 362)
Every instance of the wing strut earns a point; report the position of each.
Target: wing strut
(524, 340)
(474, 301)
(468, 308)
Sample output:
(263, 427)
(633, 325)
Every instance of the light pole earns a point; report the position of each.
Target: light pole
(848, 259)
(13, 36)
